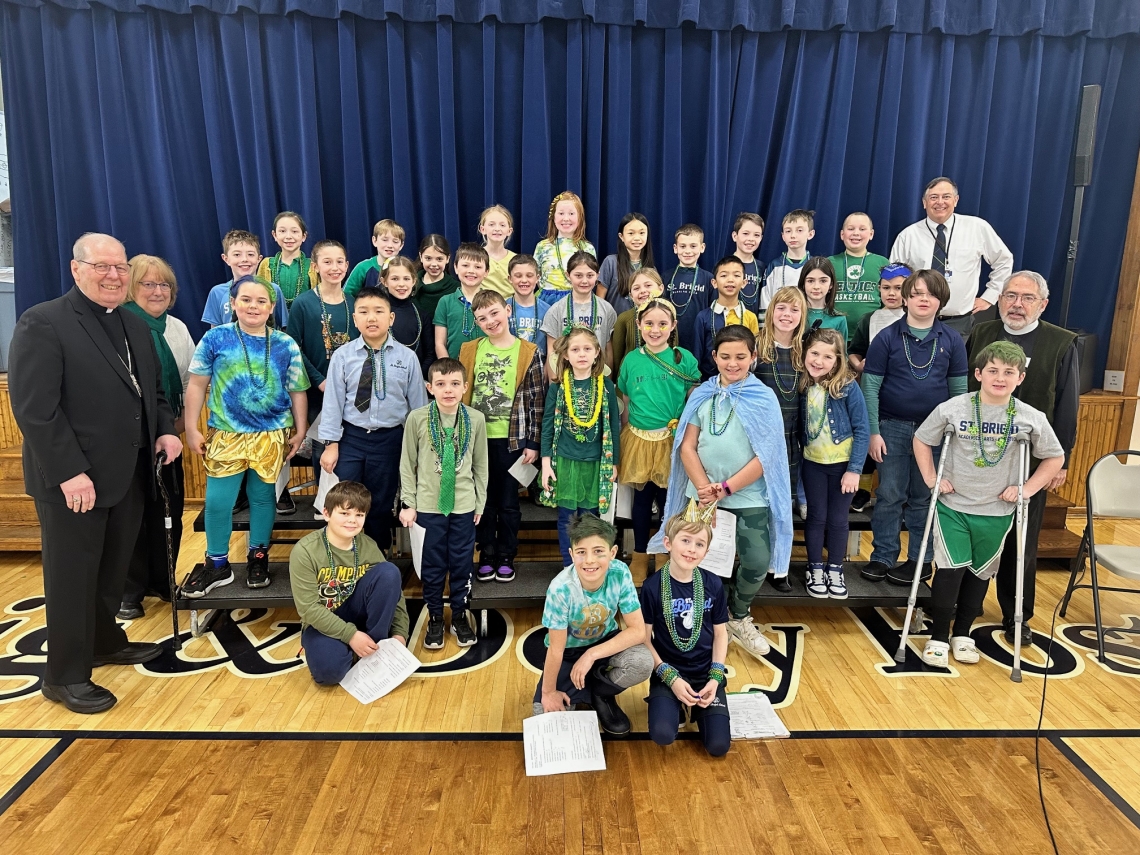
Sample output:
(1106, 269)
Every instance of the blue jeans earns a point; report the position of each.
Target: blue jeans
(370, 608)
(902, 494)
(564, 515)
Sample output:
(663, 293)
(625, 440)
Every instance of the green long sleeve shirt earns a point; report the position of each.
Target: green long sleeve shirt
(419, 481)
(318, 588)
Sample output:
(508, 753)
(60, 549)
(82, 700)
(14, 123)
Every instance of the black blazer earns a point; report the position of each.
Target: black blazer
(74, 401)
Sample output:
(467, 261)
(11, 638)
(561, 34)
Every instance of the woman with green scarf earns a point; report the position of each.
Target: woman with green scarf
(150, 295)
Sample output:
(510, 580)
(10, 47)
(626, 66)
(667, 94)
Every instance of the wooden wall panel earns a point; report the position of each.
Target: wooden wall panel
(1098, 424)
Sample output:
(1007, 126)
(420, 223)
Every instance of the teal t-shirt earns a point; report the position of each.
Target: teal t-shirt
(454, 312)
(247, 394)
(857, 285)
(656, 394)
(830, 322)
(589, 616)
(725, 455)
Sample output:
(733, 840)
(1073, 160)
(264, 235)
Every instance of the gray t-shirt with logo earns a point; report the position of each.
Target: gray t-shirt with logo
(977, 488)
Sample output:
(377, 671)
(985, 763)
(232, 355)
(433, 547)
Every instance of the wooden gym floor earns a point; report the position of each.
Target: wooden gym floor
(229, 746)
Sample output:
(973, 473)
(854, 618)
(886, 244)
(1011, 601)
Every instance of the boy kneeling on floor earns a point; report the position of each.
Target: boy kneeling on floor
(978, 496)
(588, 659)
(348, 595)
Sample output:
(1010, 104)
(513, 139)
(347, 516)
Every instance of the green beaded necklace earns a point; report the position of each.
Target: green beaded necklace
(983, 461)
(683, 645)
(461, 437)
(714, 428)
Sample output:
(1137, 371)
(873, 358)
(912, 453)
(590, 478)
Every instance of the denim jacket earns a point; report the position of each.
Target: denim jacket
(847, 419)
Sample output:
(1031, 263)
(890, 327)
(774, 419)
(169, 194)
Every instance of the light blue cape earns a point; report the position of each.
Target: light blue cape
(759, 412)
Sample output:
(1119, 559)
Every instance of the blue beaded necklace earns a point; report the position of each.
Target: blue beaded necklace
(718, 430)
(928, 366)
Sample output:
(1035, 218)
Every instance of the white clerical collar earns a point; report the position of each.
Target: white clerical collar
(1027, 329)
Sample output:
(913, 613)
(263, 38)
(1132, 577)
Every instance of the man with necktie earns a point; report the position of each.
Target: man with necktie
(955, 245)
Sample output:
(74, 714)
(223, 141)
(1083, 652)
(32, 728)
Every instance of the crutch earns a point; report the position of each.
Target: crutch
(159, 461)
(1021, 520)
(947, 432)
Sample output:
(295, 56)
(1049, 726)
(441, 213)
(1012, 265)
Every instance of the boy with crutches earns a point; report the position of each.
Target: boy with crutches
(976, 490)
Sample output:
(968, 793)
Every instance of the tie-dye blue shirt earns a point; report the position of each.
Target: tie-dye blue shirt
(249, 396)
(589, 616)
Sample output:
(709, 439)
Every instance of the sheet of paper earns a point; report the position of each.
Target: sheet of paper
(623, 501)
(524, 473)
(376, 675)
(722, 550)
(562, 742)
(311, 433)
(752, 717)
(283, 479)
(416, 535)
(327, 480)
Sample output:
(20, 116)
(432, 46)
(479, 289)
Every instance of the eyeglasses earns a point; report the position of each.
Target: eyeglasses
(1026, 299)
(152, 286)
(945, 197)
(102, 269)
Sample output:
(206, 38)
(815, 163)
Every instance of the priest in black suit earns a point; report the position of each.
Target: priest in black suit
(87, 394)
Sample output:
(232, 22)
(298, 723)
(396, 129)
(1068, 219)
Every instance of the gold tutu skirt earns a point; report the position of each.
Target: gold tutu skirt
(230, 453)
(646, 455)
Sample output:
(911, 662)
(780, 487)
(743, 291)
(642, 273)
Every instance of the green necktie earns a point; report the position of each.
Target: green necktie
(447, 476)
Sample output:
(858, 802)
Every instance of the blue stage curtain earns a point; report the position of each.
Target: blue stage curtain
(168, 129)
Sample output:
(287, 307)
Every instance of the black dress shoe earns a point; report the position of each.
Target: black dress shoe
(610, 716)
(1026, 632)
(135, 653)
(783, 584)
(83, 698)
(904, 573)
(130, 611)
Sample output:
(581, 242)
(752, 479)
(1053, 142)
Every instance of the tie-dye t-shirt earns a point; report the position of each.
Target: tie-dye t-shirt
(249, 397)
(589, 616)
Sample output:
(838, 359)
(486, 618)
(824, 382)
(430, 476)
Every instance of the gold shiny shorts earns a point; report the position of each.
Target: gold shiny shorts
(230, 453)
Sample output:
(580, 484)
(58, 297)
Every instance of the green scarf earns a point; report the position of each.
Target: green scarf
(171, 377)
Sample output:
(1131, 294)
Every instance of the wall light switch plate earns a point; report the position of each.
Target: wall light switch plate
(1114, 381)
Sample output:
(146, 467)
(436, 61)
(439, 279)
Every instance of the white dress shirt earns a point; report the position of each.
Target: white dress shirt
(969, 240)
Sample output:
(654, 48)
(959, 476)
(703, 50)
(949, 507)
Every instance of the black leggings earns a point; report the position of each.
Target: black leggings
(956, 586)
(664, 718)
(643, 500)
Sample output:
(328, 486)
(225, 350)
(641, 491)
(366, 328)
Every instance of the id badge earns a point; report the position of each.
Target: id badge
(949, 274)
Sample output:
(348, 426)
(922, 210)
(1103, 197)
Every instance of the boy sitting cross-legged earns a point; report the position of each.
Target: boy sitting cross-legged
(978, 496)
(348, 596)
(507, 388)
(588, 659)
(443, 484)
(686, 611)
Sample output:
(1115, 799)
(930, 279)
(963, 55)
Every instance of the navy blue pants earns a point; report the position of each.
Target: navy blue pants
(373, 459)
(642, 515)
(828, 508)
(498, 529)
(564, 515)
(449, 548)
(370, 609)
(712, 721)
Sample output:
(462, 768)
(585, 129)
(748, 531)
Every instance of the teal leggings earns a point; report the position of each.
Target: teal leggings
(221, 494)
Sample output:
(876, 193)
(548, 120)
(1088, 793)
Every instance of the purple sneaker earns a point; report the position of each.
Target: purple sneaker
(505, 573)
(485, 573)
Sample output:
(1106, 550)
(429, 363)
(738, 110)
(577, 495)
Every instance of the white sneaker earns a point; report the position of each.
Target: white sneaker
(803, 512)
(744, 632)
(964, 649)
(817, 582)
(936, 654)
(836, 587)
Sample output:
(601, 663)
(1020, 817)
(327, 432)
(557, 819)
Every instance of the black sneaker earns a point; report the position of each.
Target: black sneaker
(285, 505)
(611, 717)
(205, 577)
(257, 568)
(461, 629)
(783, 584)
(130, 611)
(506, 572)
(859, 502)
(904, 573)
(875, 571)
(433, 637)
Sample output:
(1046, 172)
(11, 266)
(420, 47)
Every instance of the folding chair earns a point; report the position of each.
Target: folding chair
(1112, 489)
